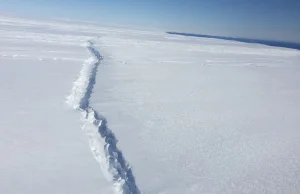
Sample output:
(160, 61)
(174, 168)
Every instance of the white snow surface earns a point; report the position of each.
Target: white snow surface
(196, 115)
(42, 147)
(162, 114)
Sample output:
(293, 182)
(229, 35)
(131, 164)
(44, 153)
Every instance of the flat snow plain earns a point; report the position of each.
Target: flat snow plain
(191, 115)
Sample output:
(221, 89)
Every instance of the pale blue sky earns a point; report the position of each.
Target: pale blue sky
(264, 19)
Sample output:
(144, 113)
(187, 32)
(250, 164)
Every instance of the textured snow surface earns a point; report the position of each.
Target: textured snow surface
(162, 114)
(196, 115)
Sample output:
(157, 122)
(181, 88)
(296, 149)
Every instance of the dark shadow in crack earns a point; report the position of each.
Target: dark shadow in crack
(115, 156)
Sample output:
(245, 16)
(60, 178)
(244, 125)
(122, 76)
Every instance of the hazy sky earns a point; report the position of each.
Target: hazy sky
(265, 19)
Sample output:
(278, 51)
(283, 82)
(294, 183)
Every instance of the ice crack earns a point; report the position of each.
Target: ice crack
(103, 142)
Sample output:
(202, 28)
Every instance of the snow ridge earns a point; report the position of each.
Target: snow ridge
(103, 142)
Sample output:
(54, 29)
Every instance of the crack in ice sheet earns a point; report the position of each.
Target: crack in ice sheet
(103, 142)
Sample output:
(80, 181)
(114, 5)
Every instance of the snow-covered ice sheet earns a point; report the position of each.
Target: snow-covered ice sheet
(162, 114)
(196, 115)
